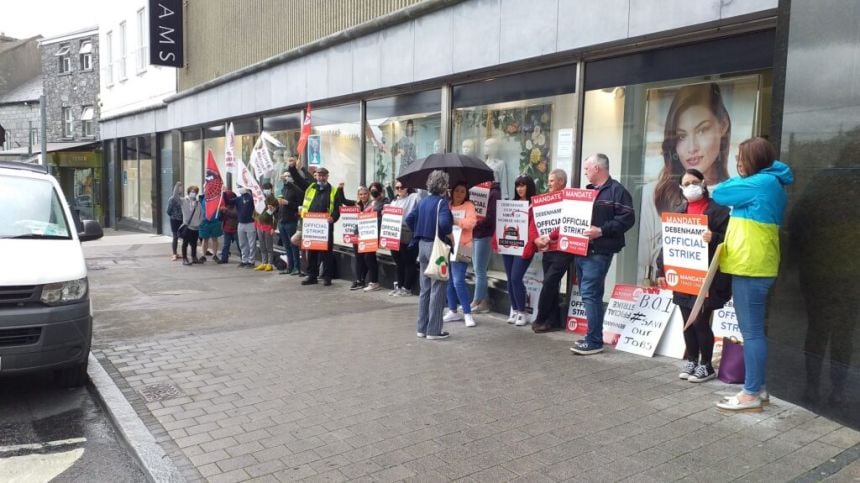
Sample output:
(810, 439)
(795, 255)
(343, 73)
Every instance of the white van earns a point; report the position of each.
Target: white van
(45, 314)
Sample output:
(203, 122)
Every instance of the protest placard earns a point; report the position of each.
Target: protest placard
(392, 224)
(368, 233)
(479, 195)
(533, 280)
(512, 226)
(349, 223)
(577, 323)
(726, 322)
(315, 231)
(576, 217)
(685, 253)
(547, 211)
(621, 307)
(647, 321)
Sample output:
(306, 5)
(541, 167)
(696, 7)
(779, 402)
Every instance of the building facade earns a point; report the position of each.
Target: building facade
(534, 86)
(20, 88)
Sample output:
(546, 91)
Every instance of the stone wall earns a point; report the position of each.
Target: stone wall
(14, 119)
(75, 89)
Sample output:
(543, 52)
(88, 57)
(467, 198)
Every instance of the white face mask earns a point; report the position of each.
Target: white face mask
(693, 192)
(270, 211)
(192, 195)
(267, 192)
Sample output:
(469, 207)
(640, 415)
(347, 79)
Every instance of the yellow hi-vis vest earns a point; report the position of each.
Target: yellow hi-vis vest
(310, 194)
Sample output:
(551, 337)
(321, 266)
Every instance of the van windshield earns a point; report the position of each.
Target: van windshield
(31, 208)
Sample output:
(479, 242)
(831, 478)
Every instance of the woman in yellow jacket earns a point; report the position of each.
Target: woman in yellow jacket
(751, 254)
(465, 218)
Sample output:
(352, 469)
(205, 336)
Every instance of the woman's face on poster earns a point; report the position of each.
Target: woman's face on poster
(698, 138)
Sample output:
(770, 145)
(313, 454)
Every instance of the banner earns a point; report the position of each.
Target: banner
(230, 153)
(315, 231)
(261, 160)
(512, 226)
(621, 307)
(479, 195)
(349, 223)
(368, 233)
(245, 180)
(212, 186)
(166, 40)
(576, 217)
(547, 212)
(577, 323)
(647, 322)
(306, 131)
(533, 280)
(392, 224)
(685, 253)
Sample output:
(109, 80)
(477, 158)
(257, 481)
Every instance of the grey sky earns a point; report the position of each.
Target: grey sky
(49, 18)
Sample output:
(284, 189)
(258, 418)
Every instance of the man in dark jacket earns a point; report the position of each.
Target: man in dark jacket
(288, 220)
(611, 217)
(319, 198)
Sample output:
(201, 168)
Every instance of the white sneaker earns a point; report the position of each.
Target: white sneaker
(470, 322)
(394, 292)
(513, 317)
(372, 287)
(452, 316)
(521, 320)
(404, 293)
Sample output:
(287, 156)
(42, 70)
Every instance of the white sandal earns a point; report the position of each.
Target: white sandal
(735, 405)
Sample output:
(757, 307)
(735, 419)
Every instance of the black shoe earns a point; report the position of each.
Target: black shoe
(209, 252)
(249, 265)
(357, 285)
(241, 265)
(585, 348)
(327, 282)
(310, 281)
(220, 261)
(186, 262)
(201, 260)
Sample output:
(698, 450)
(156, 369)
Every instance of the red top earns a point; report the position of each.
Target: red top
(697, 207)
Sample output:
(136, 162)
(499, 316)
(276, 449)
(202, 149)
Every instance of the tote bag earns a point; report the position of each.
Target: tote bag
(437, 268)
(732, 367)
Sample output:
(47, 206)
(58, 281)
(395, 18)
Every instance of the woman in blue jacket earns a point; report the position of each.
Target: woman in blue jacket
(751, 254)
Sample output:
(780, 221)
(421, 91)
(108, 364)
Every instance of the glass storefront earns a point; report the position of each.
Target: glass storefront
(137, 179)
(145, 166)
(80, 174)
(192, 157)
(286, 128)
(401, 130)
(213, 140)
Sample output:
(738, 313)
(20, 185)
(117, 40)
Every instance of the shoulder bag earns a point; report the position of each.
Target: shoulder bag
(437, 268)
(183, 228)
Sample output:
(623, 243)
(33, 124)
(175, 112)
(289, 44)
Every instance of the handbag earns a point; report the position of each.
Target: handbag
(464, 254)
(732, 362)
(437, 268)
(183, 228)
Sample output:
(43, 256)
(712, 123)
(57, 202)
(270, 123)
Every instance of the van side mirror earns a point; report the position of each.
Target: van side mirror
(92, 231)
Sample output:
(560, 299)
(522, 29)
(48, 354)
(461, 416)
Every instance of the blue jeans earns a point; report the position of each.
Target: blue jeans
(750, 294)
(480, 262)
(591, 272)
(287, 229)
(457, 289)
(229, 239)
(431, 300)
(515, 269)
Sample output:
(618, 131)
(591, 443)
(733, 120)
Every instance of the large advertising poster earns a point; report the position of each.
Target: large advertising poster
(697, 126)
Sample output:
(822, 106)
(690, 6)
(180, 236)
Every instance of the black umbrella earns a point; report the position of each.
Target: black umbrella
(460, 168)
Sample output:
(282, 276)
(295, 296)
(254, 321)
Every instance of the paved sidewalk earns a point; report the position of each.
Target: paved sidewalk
(263, 379)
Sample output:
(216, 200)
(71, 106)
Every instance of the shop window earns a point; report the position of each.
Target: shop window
(400, 131)
(192, 157)
(68, 123)
(142, 49)
(123, 51)
(86, 55)
(286, 128)
(146, 176)
(108, 58)
(64, 60)
(247, 133)
(662, 123)
(87, 121)
(130, 179)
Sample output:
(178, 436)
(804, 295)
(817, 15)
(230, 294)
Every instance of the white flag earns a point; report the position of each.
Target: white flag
(230, 152)
(245, 180)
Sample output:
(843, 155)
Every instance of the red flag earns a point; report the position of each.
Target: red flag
(306, 131)
(212, 186)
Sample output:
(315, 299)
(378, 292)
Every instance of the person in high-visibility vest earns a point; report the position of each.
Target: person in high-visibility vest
(320, 197)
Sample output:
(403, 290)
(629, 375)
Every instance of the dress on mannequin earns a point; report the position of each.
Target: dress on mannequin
(499, 167)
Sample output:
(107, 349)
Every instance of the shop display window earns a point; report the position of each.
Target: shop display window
(130, 178)
(146, 172)
(192, 157)
(286, 128)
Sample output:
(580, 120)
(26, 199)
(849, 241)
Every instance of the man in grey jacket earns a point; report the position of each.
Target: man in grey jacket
(191, 217)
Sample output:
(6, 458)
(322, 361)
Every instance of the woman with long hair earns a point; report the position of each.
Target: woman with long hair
(697, 135)
(516, 266)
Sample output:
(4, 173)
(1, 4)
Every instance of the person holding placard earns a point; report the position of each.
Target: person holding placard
(375, 205)
(751, 254)
(699, 338)
(516, 266)
(465, 218)
(362, 201)
(611, 217)
(320, 197)
(404, 258)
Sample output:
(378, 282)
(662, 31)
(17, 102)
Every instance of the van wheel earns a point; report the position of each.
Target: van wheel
(72, 376)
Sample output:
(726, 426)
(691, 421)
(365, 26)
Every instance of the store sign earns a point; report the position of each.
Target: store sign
(166, 41)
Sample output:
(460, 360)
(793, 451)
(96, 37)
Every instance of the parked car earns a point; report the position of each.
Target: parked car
(45, 311)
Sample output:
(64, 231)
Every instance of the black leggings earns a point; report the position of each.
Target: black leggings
(190, 239)
(174, 228)
(407, 267)
(699, 338)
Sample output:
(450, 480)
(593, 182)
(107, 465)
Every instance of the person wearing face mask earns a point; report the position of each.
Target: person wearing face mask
(375, 205)
(265, 225)
(247, 233)
(288, 221)
(174, 211)
(362, 201)
(192, 214)
(229, 224)
(320, 197)
(210, 232)
(699, 338)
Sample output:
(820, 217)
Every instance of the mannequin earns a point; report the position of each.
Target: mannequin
(468, 147)
(499, 167)
(406, 146)
(437, 146)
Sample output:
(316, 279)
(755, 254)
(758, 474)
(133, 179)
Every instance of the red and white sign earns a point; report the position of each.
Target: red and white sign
(685, 253)
(577, 323)
(479, 195)
(621, 307)
(392, 224)
(349, 223)
(547, 210)
(230, 152)
(315, 231)
(512, 226)
(368, 233)
(576, 218)
(647, 322)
